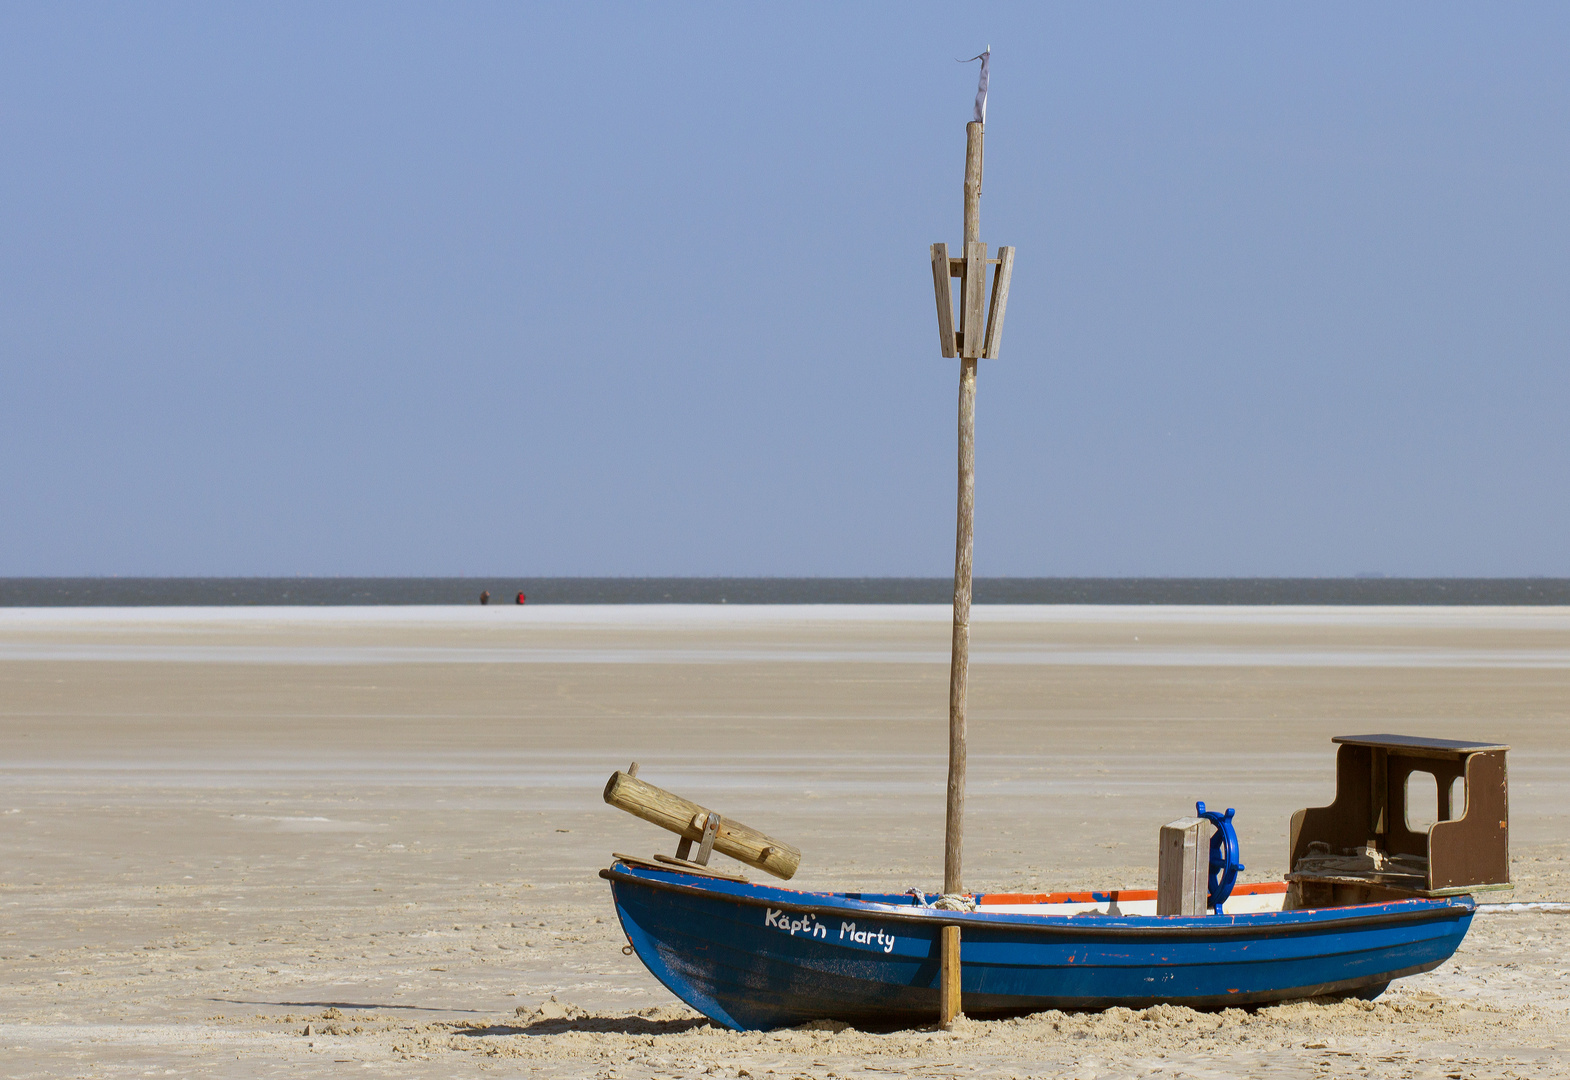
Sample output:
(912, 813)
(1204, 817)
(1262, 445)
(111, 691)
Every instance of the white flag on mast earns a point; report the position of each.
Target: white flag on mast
(981, 88)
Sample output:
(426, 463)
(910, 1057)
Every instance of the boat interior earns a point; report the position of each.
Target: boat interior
(1375, 843)
(1245, 900)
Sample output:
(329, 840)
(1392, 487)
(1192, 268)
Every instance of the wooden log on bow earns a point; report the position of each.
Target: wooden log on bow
(687, 820)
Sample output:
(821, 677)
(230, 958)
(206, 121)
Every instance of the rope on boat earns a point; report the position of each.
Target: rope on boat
(1513, 909)
(956, 902)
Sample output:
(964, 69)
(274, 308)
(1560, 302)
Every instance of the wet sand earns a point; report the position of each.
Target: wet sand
(221, 826)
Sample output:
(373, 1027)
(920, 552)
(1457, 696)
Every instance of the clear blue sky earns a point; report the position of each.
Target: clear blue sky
(643, 289)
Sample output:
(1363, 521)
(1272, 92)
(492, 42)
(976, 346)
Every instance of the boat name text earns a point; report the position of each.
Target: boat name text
(867, 937)
(808, 924)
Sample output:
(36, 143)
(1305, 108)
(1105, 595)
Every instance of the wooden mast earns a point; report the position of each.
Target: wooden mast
(976, 333)
(973, 277)
(970, 329)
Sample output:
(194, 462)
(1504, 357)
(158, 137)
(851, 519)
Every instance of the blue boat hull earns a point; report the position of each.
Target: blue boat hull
(757, 957)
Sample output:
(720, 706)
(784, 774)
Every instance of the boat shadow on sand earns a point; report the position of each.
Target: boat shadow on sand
(660, 1022)
(592, 1025)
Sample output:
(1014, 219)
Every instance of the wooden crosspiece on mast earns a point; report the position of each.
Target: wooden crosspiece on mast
(979, 333)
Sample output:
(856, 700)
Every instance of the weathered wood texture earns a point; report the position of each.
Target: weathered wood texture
(950, 1007)
(973, 289)
(711, 831)
(959, 664)
(972, 182)
(957, 265)
(942, 288)
(659, 862)
(1183, 867)
(687, 820)
(1000, 301)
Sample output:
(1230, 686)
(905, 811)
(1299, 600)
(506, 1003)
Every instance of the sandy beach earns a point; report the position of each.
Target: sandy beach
(245, 842)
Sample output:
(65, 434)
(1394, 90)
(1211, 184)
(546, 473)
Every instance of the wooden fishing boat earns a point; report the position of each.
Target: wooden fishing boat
(1370, 900)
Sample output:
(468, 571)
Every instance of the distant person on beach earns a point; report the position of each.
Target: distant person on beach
(485, 596)
(520, 598)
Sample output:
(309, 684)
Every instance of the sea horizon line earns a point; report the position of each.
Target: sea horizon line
(368, 590)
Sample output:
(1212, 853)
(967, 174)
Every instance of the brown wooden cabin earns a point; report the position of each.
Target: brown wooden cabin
(1360, 848)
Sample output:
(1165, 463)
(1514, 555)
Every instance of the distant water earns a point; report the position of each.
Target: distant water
(185, 592)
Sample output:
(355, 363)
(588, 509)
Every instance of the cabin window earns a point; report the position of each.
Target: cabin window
(1422, 801)
(1457, 798)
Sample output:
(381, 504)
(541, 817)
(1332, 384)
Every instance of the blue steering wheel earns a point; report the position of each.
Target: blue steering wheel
(1224, 863)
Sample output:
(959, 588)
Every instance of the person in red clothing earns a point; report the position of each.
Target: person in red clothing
(520, 598)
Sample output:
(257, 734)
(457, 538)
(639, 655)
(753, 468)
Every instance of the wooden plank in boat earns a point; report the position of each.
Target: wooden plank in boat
(1182, 883)
(666, 862)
